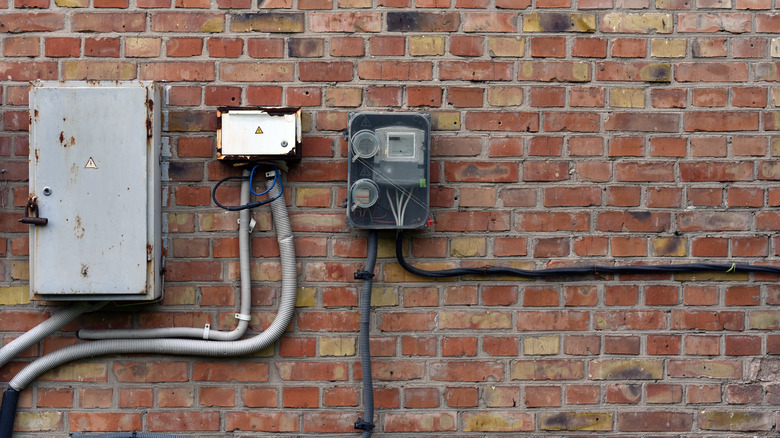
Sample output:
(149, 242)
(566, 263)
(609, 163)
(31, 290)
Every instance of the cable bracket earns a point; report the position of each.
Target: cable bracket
(242, 317)
(206, 329)
(363, 275)
(363, 425)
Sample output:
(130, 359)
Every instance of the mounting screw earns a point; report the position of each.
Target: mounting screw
(284, 143)
(47, 191)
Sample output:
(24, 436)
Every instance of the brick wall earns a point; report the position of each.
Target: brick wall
(637, 131)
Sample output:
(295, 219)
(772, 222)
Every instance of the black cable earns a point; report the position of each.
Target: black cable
(578, 270)
(249, 204)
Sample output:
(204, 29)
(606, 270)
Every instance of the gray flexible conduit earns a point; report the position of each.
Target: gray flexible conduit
(45, 328)
(190, 347)
(365, 338)
(203, 333)
(366, 423)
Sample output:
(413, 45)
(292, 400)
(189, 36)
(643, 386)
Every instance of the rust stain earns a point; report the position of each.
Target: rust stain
(37, 155)
(84, 270)
(62, 137)
(78, 228)
(72, 141)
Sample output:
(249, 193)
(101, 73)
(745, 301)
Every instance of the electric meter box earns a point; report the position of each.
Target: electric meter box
(251, 134)
(94, 204)
(389, 170)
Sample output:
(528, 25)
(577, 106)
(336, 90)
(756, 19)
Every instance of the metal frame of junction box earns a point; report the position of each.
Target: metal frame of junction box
(252, 134)
(95, 178)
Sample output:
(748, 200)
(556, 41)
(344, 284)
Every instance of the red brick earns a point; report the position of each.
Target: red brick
(711, 72)
(461, 45)
(105, 421)
(542, 396)
(22, 46)
(32, 22)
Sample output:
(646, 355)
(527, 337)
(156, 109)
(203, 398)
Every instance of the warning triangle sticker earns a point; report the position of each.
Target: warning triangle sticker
(366, 123)
(258, 130)
(91, 164)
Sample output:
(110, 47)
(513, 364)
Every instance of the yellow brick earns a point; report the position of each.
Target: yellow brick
(581, 71)
(72, 3)
(512, 47)
(213, 25)
(774, 49)
(343, 97)
(78, 372)
(627, 98)
(10, 295)
(20, 270)
(305, 121)
(559, 22)
(576, 421)
(775, 146)
(468, 247)
(498, 422)
(638, 23)
(765, 320)
(305, 297)
(354, 4)
(500, 396)
(736, 420)
(142, 47)
(505, 96)
(668, 48)
(669, 247)
(387, 248)
(426, 45)
(38, 421)
(265, 352)
(337, 346)
(445, 121)
(179, 295)
(307, 195)
(541, 345)
(96, 70)
(384, 296)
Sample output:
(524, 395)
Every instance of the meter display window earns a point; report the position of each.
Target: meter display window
(401, 146)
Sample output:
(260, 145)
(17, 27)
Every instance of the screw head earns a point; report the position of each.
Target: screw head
(47, 191)
(284, 143)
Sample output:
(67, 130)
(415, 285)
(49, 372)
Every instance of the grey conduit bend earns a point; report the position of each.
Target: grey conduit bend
(182, 347)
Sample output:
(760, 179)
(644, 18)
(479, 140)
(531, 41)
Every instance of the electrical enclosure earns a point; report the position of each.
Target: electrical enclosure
(245, 134)
(95, 175)
(388, 176)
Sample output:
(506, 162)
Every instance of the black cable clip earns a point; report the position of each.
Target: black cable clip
(363, 275)
(363, 425)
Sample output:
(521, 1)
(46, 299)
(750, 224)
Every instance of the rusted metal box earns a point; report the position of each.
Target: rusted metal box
(251, 134)
(95, 178)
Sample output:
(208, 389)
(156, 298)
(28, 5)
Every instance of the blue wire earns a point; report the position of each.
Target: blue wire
(252, 176)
